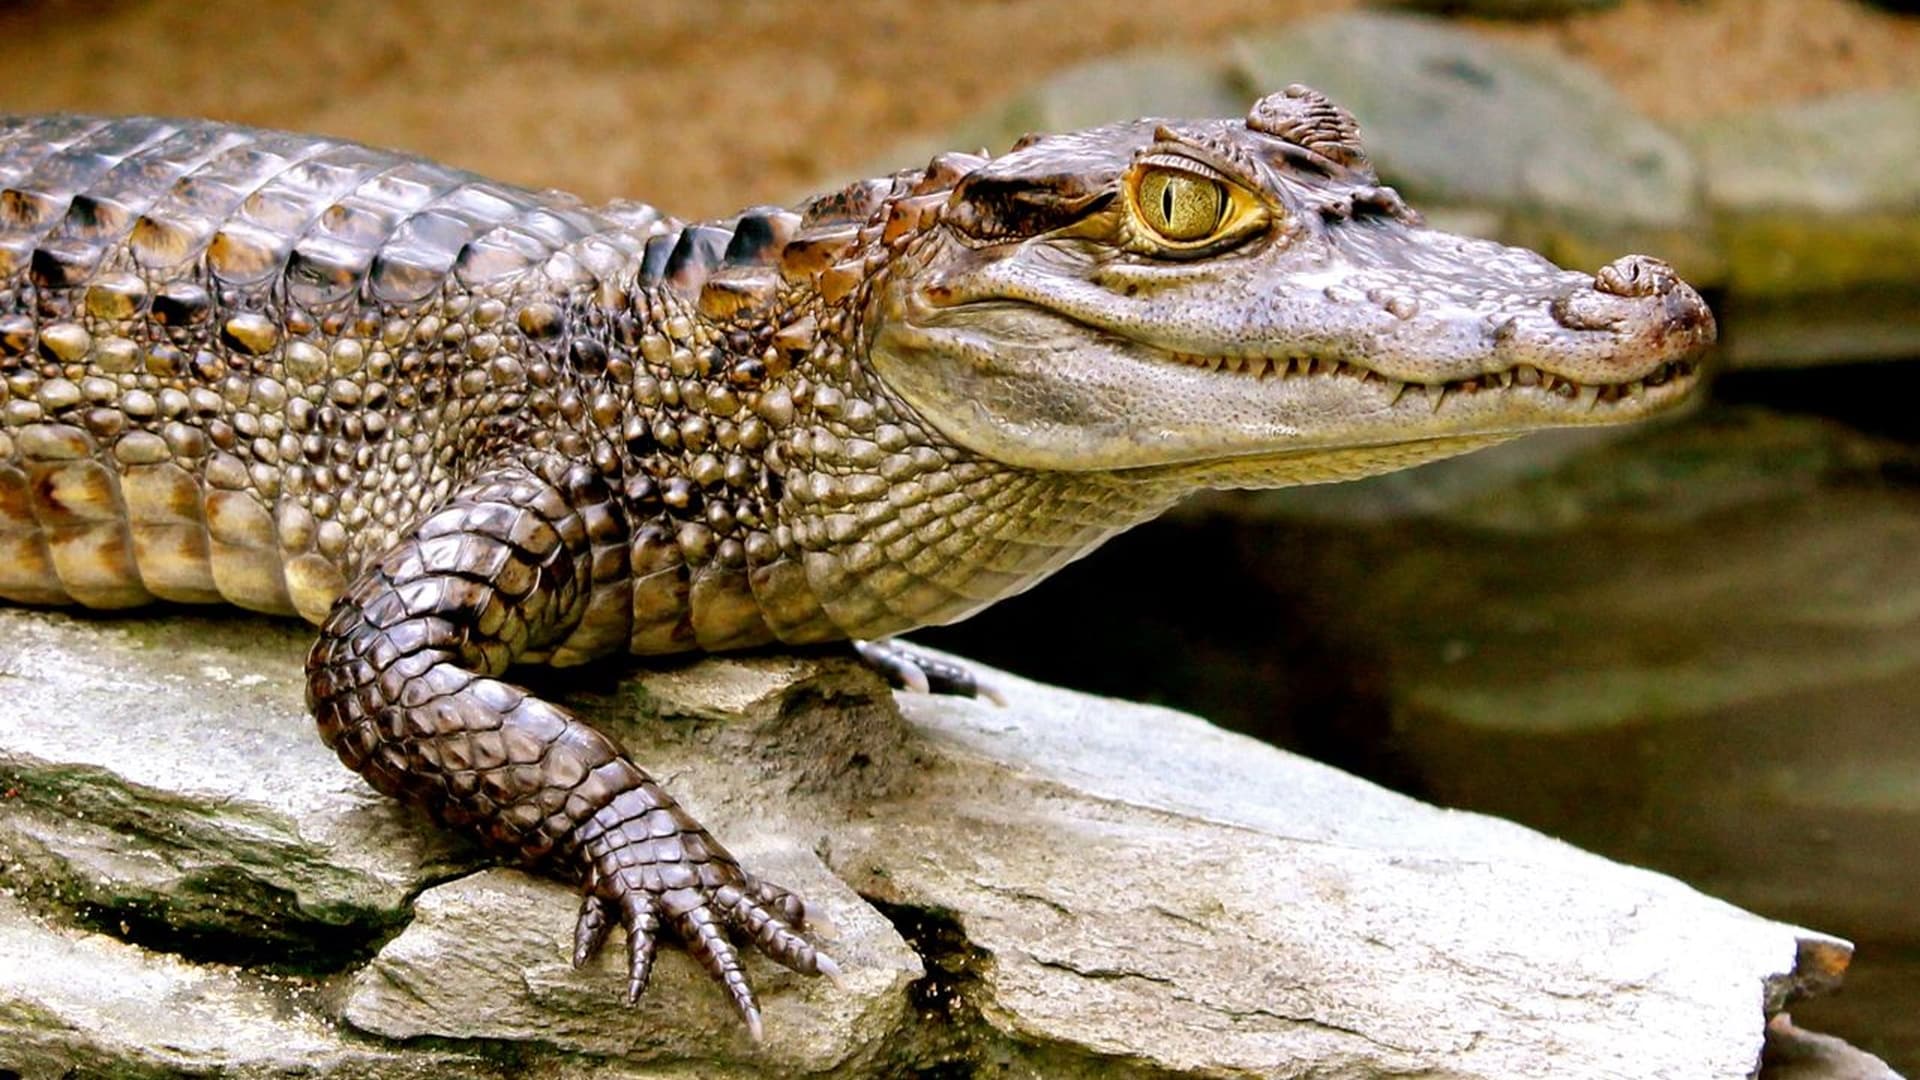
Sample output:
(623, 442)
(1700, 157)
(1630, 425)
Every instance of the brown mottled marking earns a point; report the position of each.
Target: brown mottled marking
(53, 442)
(660, 622)
(313, 584)
(116, 296)
(250, 577)
(163, 493)
(788, 605)
(75, 492)
(174, 562)
(95, 563)
(16, 502)
(234, 517)
(27, 573)
(725, 614)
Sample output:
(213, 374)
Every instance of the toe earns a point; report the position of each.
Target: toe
(590, 932)
(707, 940)
(640, 914)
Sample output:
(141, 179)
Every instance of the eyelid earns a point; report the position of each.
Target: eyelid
(1185, 164)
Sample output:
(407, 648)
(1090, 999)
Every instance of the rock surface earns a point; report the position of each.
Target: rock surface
(74, 1004)
(1819, 213)
(1463, 118)
(1092, 888)
(1696, 648)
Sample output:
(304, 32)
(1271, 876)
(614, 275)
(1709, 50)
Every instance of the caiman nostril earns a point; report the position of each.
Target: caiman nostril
(1635, 275)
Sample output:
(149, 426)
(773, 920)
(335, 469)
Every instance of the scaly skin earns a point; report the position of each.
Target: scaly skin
(463, 426)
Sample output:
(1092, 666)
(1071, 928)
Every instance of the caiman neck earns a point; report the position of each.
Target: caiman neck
(763, 452)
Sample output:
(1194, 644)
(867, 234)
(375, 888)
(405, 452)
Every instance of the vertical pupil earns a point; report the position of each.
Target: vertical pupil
(1166, 201)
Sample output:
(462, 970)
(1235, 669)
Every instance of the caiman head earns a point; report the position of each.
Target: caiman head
(1241, 303)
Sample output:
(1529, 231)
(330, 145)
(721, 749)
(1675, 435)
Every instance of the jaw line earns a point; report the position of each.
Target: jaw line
(1619, 401)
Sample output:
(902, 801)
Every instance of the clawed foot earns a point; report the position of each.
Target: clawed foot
(651, 865)
(907, 668)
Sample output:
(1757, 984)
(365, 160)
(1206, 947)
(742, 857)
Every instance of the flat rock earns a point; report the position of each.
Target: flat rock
(77, 1004)
(1104, 91)
(486, 958)
(166, 775)
(1696, 649)
(1123, 868)
(1818, 205)
(1093, 888)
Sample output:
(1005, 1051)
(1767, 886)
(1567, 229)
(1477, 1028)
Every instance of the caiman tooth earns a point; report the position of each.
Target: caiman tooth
(1266, 367)
(1436, 393)
(1526, 375)
(1506, 379)
(1589, 397)
(1396, 390)
(1636, 389)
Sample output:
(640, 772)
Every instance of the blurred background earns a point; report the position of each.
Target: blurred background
(1693, 646)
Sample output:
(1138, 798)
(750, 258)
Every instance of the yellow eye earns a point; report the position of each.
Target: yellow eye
(1180, 206)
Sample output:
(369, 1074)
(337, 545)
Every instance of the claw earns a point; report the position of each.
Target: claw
(771, 935)
(651, 866)
(824, 965)
(640, 914)
(708, 943)
(591, 931)
(910, 669)
(785, 906)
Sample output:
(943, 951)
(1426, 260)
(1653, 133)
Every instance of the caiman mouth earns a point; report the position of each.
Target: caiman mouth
(1521, 378)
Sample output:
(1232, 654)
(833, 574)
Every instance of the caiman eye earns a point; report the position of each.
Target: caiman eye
(1179, 205)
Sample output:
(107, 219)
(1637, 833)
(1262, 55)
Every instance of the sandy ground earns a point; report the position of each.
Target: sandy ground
(706, 106)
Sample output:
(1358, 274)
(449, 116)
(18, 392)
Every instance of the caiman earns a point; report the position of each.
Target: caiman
(462, 426)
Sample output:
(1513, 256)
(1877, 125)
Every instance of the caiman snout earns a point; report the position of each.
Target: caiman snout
(1635, 275)
(1641, 298)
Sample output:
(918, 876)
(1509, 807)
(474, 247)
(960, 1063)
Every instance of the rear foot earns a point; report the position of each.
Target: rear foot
(907, 668)
(650, 866)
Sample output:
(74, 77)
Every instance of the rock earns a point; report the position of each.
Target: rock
(194, 802)
(1695, 649)
(486, 957)
(1464, 122)
(1149, 872)
(1103, 91)
(1092, 886)
(74, 1004)
(1818, 206)
(1796, 1054)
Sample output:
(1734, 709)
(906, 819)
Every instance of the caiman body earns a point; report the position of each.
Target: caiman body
(462, 426)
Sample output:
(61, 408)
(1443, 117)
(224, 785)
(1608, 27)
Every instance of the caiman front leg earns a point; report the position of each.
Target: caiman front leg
(404, 685)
